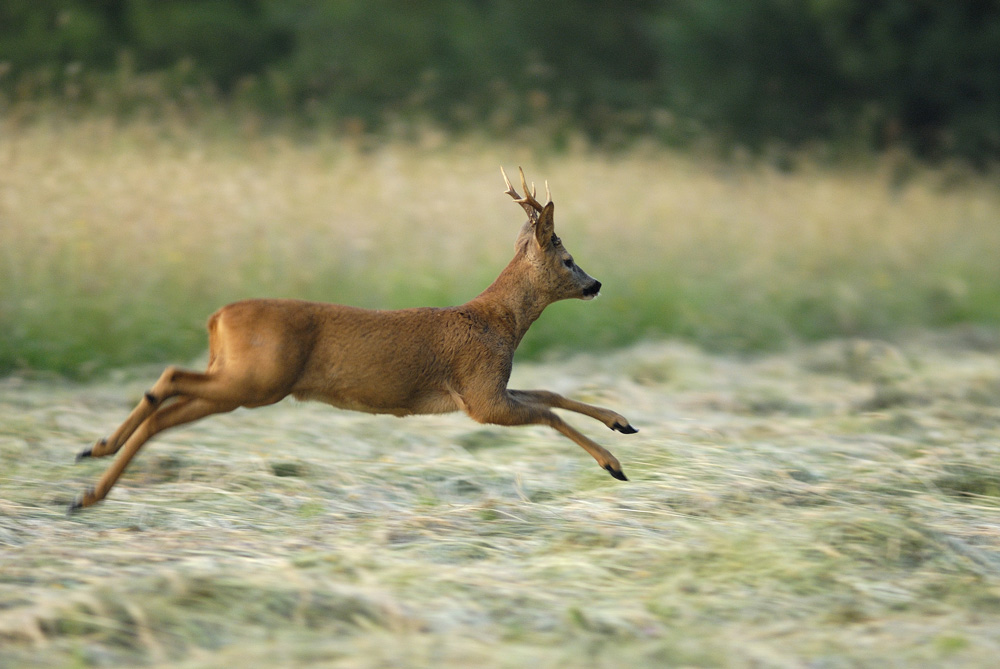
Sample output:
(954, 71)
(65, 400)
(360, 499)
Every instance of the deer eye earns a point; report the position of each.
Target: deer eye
(568, 262)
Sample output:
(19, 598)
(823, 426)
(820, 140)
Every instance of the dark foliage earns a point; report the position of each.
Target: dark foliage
(877, 73)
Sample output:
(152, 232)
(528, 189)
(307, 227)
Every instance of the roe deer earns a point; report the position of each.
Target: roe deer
(410, 361)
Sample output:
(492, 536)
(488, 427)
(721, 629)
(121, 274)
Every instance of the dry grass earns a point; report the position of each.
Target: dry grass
(832, 506)
(119, 240)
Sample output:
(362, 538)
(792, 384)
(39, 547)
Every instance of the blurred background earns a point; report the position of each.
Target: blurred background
(771, 171)
(925, 75)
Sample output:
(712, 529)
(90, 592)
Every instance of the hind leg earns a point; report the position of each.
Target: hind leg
(184, 410)
(147, 405)
(171, 383)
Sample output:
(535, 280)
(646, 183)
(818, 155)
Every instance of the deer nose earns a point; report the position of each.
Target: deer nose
(592, 289)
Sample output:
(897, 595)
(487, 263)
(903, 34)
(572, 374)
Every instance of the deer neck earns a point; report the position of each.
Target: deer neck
(511, 302)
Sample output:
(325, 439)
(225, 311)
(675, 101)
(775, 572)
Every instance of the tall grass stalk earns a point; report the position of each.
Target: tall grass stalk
(118, 239)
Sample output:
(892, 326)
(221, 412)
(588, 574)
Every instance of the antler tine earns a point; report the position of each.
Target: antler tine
(510, 189)
(528, 202)
(548, 195)
(529, 196)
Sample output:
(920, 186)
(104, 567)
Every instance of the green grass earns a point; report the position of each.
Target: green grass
(772, 519)
(119, 239)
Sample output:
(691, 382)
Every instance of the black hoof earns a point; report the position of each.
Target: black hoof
(89, 452)
(618, 474)
(75, 505)
(625, 429)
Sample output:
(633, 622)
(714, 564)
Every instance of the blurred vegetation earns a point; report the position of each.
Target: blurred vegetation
(118, 239)
(146, 144)
(854, 73)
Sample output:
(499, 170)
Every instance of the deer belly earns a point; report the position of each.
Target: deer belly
(395, 403)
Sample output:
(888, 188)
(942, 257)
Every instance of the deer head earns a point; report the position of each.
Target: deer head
(554, 270)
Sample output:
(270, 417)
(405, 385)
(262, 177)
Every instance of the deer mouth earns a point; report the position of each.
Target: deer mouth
(592, 291)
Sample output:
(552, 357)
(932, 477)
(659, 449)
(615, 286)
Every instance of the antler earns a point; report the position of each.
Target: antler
(530, 205)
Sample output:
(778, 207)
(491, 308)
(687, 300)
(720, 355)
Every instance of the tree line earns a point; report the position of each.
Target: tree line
(919, 73)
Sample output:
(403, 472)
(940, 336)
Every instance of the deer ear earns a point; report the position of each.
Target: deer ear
(545, 227)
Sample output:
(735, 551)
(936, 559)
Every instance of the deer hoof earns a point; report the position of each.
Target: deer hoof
(616, 473)
(624, 429)
(89, 452)
(80, 502)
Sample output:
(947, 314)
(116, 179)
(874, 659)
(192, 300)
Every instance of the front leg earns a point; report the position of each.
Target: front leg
(519, 407)
(546, 398)
(602, 455)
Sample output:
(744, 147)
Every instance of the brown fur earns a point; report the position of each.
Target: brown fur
(410, 361)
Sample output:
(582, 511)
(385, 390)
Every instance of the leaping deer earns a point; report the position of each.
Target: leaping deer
(411, 361)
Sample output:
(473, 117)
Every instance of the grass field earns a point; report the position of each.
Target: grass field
(831, 506)
(812, 358)
(117, 240)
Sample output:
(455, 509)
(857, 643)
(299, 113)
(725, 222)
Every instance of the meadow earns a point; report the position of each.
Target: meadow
(830, 506)
(117, 240)
(809, 349)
